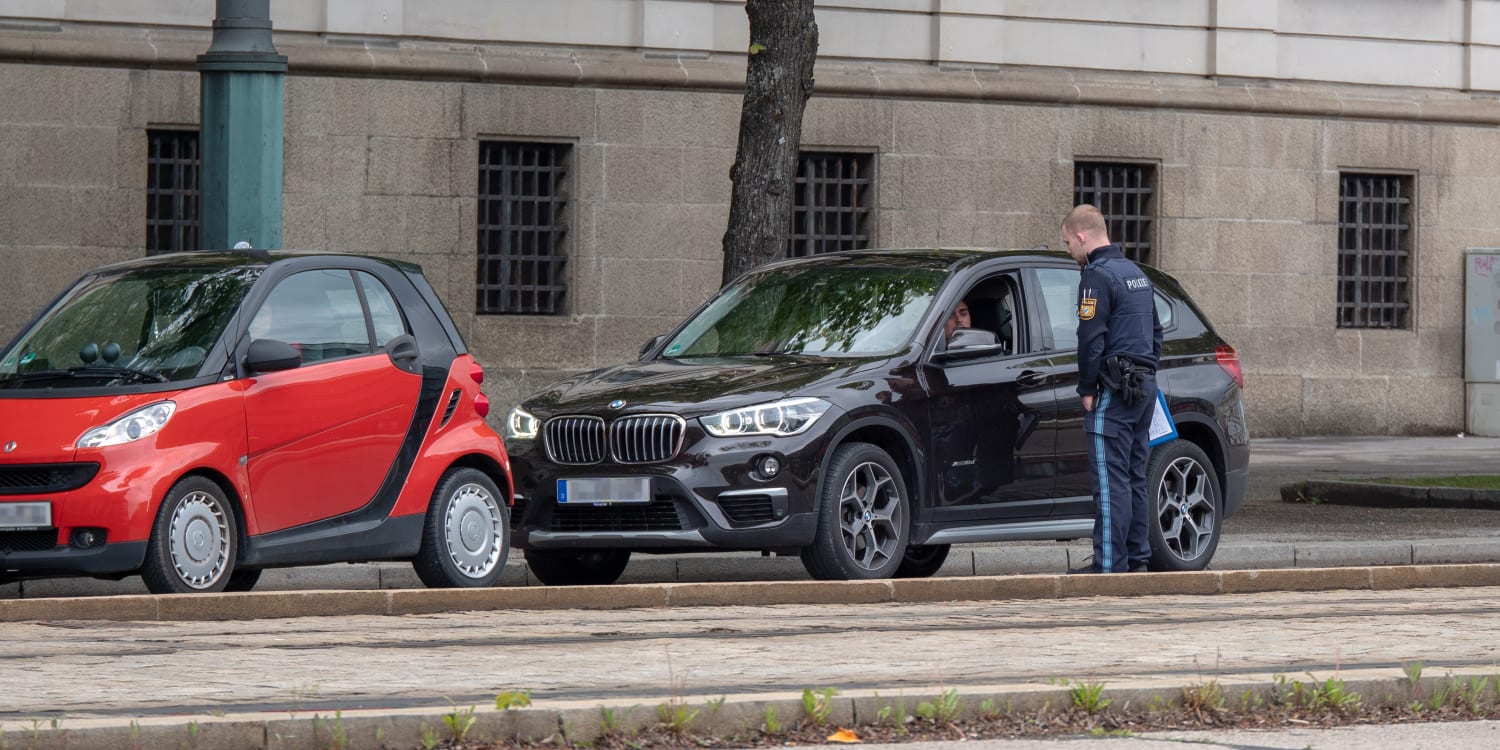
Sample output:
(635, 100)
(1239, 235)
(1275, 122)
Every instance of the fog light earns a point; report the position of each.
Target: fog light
(768, 467)
(84, 538)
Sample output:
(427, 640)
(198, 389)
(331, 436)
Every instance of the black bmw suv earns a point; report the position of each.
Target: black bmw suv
(819, 407)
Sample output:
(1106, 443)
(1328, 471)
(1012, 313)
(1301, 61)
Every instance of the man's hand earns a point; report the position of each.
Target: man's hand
(1088, 403)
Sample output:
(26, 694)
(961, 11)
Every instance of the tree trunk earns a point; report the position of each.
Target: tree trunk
(778, 82)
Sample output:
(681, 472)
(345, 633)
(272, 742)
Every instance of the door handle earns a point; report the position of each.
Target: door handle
(1031, 378)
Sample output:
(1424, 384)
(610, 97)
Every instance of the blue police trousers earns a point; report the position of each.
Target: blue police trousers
(1117, 437)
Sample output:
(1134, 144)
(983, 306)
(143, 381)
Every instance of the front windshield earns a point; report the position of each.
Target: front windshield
(817, 310)
(147, 325)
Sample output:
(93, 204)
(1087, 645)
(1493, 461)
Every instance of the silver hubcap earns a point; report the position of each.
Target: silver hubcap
(472, 531)
(1186, 509)
(871, 515)
(200, 540)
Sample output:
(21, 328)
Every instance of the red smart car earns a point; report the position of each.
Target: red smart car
(196, 418)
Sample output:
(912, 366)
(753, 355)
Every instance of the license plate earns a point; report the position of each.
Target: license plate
(25, 515)
(604, 490)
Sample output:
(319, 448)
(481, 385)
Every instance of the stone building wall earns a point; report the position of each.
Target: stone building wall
(382, 146)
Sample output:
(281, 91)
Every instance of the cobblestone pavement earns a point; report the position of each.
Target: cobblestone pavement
(103, 669)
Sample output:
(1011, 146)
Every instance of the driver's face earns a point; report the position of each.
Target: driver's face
(959, 319)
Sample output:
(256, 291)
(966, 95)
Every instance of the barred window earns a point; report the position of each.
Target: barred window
(522, 228)
(1374, 250)
(1122, 192)
(172, 191)
(830, 204)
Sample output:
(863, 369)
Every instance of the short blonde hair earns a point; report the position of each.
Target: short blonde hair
(1085, 218)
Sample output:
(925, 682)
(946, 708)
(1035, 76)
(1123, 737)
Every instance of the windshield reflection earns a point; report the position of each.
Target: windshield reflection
(819, 310)
(145, 325)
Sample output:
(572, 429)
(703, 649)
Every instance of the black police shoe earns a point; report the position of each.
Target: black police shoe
(1140, 567)
(1090, 568)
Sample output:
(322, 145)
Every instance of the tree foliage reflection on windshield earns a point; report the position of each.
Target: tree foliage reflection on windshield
(816, 310)
(157, 322)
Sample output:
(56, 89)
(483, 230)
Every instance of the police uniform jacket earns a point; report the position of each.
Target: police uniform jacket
(1116, 316)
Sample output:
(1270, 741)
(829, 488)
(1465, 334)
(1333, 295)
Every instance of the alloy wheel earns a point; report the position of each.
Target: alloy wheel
(871, 515)
(1186, 509)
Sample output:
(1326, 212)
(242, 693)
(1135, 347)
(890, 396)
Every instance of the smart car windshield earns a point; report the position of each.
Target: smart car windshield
(143, 325)
(816, 310)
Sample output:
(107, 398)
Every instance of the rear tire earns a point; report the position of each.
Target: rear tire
(1186, 511)
(194, 542)
(863, 518)
(922, 560)
(577, 567)
(466, 537)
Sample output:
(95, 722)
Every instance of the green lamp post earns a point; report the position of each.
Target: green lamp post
(243, 92)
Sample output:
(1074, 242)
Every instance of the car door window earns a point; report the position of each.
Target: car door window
(384, 313)
(318, 312)
(1060, 296)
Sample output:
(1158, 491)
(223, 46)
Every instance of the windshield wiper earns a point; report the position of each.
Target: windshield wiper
(126, 374)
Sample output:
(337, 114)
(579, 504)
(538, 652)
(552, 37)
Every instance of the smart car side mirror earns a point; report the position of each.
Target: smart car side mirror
(270, 355)
(652, 344)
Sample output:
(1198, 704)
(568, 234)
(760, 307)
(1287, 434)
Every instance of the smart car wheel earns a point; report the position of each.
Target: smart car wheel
(577, 567)
(1185, 504)
(194, 541)
(862, 517)
(922, 560)
(466, 537)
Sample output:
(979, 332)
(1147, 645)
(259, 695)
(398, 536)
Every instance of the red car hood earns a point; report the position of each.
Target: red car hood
(44, 430)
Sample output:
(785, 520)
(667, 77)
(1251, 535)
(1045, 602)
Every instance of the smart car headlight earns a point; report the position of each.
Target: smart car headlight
(140, 423)
(521, 425)
(781, 418)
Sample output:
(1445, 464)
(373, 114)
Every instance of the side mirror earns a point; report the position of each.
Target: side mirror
(652, 344)
(270, 355)
(969, 343)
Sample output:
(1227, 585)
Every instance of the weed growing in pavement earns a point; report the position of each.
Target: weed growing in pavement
(988, 709)
(512, 699)
(430, 738)
(715, 705)
(1204, 699)
(942, 710)
(338, 739)
(192, 732)
(1088, 696)
(772, 724)
(817, 705)
(610, 720)
(459, 722)
(676, 716)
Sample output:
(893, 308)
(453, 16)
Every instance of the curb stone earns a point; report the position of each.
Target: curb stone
(1379, 495)
(581, 722)
(394, 602)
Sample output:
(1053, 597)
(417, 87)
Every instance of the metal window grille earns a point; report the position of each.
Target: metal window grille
(830, 204)
(172, 191)
(1122, 192)
(522, 228)
(1374, 251)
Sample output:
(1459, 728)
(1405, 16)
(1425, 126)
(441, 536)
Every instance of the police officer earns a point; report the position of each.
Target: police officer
(1119, 343)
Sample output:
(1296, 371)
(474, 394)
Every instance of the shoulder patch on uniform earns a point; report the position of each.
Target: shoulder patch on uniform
(1086, 308)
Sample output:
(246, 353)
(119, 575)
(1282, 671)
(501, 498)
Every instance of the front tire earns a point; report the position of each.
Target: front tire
(194, 542)
(863, 517)
(577, 567)
(466, 537)
(1186, 510)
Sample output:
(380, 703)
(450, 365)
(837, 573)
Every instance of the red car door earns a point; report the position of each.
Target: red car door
(322, 436)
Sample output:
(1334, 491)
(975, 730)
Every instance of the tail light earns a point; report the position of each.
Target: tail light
(1229, 359)
(481, 402)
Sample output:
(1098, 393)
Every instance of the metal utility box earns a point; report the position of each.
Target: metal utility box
(1482, 341)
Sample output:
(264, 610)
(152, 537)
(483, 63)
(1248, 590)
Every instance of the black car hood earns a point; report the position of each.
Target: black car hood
(687, 386)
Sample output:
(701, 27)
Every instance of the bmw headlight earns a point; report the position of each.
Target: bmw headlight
(129, 428)
(521, 425)
(781, 418)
